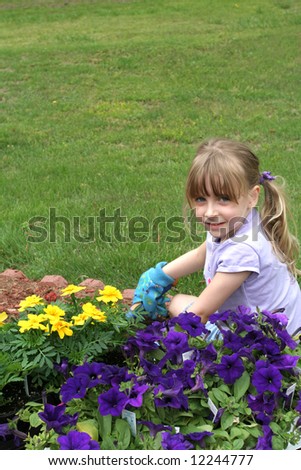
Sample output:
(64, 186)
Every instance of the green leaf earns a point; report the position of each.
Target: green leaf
(105, 425)
(278, 443)
(226, 420)
(90, 427)
(221, 433)
(34, 420)
(124, 433)
(238, 444)
(222, 397)
(241, 385)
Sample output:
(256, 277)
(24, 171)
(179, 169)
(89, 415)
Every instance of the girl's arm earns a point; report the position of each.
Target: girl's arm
(222, 286)
(188, 263)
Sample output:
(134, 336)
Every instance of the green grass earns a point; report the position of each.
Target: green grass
(103, 104)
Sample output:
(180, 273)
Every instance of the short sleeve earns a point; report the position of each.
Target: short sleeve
(238, 257)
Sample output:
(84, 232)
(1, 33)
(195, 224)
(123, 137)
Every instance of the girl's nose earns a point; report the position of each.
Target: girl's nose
(211, 210)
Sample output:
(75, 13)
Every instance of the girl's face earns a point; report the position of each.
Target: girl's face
(221, 216)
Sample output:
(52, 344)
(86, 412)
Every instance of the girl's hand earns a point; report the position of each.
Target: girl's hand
(152, 286)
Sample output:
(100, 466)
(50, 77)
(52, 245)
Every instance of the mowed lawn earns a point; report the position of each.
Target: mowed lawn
(103, 104)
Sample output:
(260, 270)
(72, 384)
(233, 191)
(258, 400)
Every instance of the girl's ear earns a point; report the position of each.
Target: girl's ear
(254, 195)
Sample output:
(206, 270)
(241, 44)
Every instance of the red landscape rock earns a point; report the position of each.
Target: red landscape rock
(14, 274)
(56, 280)
(128, 295)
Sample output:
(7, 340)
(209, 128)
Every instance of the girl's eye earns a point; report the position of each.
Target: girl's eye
(224, 198)
(199, 199)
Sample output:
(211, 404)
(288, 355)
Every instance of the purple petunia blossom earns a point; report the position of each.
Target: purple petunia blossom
(277, 320)
(262, 403)
(265, 442)
(93, 371)
(112, 402)
(136, 395)
(207, 356)
(55, 418)
(170, 394)
(285, 361)
(146, 341)
(199, 385)
(74, 387)
(233, 341)
(176, 341)
(151, 370)
(198, 437)
(63, 367)
(230, 368)
(266, 377)
(191, 323)
(76, 440)
(175, 442)
(154, 428)
(4, 430)
(298, 406)
(222, 316)
(184, 374)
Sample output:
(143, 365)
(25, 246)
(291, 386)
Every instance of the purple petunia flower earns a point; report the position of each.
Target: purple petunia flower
(265, 442)
(262, 403)
(136, 395)
(207, 356)
(93, 371)
(230, 368)
(184, 374)
(170, 394)
(112, 402)
(4, 430)
(74, 387)
(266, 377)
(198, 437)
(63, 367)
(151, 370)
(199, 385)
(55, 418)
(76, 440)
(175, 442)
(232, 341)
(176, 343)
(154, 428)
(284, 361)
(191, 323)
(298, 406)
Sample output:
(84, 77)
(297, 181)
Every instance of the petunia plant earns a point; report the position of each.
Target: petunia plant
(50, 337)
(178, 391)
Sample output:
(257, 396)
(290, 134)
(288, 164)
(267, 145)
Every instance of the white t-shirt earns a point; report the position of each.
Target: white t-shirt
(269, 286)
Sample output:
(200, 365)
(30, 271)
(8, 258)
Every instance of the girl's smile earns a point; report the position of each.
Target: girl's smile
(221, 216)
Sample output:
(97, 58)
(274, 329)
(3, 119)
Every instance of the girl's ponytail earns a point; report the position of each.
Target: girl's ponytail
(275, 223)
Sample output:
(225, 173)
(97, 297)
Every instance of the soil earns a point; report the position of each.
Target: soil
(12, 291)
(15, 286)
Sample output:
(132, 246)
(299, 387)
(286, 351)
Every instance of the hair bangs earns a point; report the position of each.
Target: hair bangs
(212, 175)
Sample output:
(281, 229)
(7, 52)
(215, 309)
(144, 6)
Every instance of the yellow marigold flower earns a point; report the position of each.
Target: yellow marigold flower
(3, 317)
(80, 319)
(63, 328)
(30, 302)
(71, 289)
(100, 316)
(53, 313)
(33, 322)
(109, 294)
(94, 312)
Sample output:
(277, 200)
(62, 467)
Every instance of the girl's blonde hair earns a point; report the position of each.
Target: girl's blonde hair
(232, 170)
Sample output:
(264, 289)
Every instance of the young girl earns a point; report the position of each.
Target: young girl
(249, 258)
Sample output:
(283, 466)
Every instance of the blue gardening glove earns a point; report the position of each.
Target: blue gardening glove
(152, 286)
